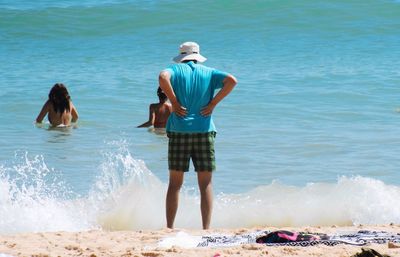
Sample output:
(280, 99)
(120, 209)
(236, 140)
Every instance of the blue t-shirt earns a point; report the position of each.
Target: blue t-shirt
(194, 86)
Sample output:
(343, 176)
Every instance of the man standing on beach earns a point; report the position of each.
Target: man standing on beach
(191, 131)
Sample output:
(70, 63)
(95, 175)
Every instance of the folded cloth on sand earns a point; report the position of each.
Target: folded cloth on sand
(284, 236)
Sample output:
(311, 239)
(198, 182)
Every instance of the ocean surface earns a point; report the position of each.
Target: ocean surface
(310, 135)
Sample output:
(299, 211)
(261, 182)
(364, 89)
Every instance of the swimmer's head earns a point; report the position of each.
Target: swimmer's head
(60, 98)
(161, 95)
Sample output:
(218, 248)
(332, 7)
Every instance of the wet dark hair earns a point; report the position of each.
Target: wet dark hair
(60, 98)
(161, 95)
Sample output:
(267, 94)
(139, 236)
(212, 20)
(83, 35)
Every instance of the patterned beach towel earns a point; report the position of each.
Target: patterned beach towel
(287, 238)
(232, 240)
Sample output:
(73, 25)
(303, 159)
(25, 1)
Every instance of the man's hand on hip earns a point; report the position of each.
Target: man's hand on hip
(178, 109)
(207, 110)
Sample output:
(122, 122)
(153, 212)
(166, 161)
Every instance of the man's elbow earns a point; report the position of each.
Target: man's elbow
(164, 75)
(231, 80)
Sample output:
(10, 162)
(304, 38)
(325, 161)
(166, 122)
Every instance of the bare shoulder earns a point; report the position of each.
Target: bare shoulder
(168, 105)
(153, 106)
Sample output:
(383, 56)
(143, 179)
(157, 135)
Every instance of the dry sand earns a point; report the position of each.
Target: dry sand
(145, 243)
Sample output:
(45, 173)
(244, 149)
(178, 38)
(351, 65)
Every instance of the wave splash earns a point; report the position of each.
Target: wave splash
(350, 201)
(137, 201)
(34, 198)
(128, 196)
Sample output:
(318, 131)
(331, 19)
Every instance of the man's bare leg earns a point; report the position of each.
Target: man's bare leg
(175, 184)
(204, 179)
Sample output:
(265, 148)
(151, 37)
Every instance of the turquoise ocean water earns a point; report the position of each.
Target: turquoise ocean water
(310, 135)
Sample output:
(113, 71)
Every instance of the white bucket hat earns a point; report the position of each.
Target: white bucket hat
(189, 51)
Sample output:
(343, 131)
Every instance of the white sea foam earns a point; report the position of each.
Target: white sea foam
(356, 200)
(33, 198)
(128, 196)
(139, 202)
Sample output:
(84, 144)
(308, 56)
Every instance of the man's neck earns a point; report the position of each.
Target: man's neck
(187, 61)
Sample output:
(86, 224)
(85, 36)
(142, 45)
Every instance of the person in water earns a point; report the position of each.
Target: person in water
(59, 108)
(158, 112)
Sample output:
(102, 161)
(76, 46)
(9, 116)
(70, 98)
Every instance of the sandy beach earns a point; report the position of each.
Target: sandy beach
(147, 243)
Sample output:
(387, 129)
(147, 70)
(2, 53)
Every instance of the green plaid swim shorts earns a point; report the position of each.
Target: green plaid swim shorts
(198, 146)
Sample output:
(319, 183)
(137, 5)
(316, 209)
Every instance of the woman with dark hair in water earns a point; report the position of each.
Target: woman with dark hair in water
(59, 107)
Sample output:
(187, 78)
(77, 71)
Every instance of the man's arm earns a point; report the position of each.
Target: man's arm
(165, 84)
(229, 83)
